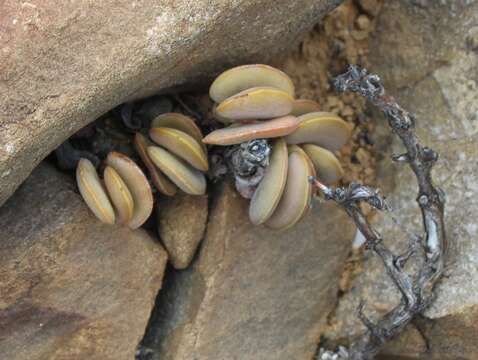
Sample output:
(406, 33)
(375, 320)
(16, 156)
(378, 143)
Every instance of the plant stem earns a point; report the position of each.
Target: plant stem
(416, 291)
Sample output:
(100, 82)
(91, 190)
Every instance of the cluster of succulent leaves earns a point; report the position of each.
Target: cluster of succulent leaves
(255, 102)
(176, 159)
(258, 101)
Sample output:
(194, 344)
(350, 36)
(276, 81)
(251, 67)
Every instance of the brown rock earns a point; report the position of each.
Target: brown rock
(450, 337)
(56, 77)
(252, 293)
(71, 287)
(408, 344)
(443, 91)
(181, 224)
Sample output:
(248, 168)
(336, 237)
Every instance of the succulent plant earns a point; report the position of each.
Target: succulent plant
(124, 197)
(181, 155)
(257, 102)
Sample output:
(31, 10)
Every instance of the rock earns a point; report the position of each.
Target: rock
(363, 22)
(371, 7)
(72, 287)
(409, 343)
(56, 77)
(446, 338)
(252, 293)
(423, 55)
(181, 224)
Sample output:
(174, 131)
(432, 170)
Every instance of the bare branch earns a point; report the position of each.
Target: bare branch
(417, 291)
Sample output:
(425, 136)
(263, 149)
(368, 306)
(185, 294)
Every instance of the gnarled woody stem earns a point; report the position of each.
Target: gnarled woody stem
(247, 162)
(417, 290)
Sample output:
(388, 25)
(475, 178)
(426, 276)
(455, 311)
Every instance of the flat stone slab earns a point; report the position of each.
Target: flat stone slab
(71, 287)
(252, 293)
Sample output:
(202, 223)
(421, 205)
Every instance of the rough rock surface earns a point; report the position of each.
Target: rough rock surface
(63, 66)
(71, 287)
(428, 57)
(181, 225)
(252, 293)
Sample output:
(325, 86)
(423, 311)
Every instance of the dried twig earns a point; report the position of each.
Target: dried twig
(416, 291)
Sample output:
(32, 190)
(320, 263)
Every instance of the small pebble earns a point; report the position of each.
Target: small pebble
(472, 38)
(347, 111)
(369, 171)
(363, 22)
(333, 102)
(362, 156)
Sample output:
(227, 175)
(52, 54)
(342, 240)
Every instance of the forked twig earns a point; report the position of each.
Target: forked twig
(416, 291)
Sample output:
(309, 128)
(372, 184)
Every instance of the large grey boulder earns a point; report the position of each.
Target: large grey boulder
(70, 286)
(64, 64)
